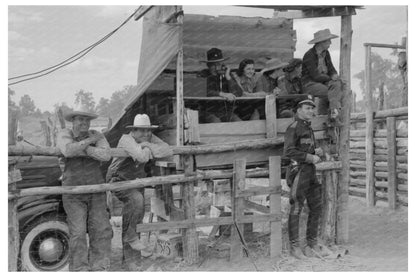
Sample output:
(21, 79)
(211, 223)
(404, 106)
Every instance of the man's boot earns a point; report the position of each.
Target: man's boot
(296, 251)
(313, 251)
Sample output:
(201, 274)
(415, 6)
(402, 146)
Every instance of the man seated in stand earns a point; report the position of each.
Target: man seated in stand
(142, 146)
(217, 85)
(320, 78)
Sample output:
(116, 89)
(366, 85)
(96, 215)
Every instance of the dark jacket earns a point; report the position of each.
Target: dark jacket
(310, 67)
(299, 143)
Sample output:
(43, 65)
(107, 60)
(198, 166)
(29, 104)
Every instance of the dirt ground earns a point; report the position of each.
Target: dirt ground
(378, 242)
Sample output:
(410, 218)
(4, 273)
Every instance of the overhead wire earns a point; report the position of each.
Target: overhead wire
(80, 54)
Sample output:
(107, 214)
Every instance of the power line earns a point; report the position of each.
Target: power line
(80, 54)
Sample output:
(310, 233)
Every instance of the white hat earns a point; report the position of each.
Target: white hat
(142, 121)
(81, 110)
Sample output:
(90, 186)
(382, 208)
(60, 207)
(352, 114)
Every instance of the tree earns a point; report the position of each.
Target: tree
(27, 105)
(85, 99)
(103, 107)
(384, 76)
(119, 100)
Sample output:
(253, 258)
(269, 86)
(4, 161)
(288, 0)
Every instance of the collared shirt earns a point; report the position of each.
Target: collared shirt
(322, 68)
(215, 83)
(299, 141)
(310, 67)
(82, 167)
(129, 168)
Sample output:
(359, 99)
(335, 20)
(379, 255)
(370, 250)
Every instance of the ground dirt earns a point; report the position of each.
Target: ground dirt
(378, 241)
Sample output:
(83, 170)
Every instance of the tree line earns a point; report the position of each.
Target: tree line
(105, 107)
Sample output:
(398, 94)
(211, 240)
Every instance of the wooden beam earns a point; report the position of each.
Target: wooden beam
(342, 222)
(189, 235)
(369, 144)
(391, 162)
(239, 182)
(276, 243)
(383, 45)
(271, 123)
(179, 87)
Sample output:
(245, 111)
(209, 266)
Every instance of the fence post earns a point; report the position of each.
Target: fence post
(13, 223)
(46, 133)
(189, 235)
(369, 133)
(275, 207)
(391, 162)
(271, 122)
(239, 182)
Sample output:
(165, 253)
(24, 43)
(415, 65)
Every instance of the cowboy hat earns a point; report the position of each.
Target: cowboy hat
(214, 55)
(322, 35)
(142, 121)
(81, 110)
(273, 64)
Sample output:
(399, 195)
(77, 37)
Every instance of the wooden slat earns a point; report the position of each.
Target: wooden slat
(275, 207)
(271, 122)
(239, 182)
(258, 191)
(391, 162)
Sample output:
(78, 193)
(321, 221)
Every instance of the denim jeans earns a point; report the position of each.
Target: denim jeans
(329, 94)
(88, 212)
(132, 213)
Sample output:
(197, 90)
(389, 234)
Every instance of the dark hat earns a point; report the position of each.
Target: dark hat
(293, 63)
(306, 100)
(214, 55)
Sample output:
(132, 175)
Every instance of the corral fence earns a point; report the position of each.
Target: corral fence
(188, 180)
(379, 157)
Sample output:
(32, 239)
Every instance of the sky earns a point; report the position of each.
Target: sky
(42, 36)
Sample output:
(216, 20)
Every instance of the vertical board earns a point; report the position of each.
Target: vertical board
(271, 121)
(391, 162)
(275, 207)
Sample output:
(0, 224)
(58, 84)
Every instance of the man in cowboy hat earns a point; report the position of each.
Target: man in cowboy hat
(299, 148)
(83, 152)
(319, 76)
(218, 75)
(142, 146)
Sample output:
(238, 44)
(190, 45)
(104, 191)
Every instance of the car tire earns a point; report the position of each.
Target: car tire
(45, 245)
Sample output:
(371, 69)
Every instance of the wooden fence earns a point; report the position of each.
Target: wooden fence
(187, 181)
(379, 157)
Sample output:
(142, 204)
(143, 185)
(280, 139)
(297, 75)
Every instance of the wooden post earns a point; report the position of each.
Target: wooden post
(46, 133)
(391, 162)
(239, 182)
(60, 115)
(179, 87)
(13, 223)
(192, 132)
(189, 235)
(271, 122)
(369, 133)
(275, 208)
(344, 180)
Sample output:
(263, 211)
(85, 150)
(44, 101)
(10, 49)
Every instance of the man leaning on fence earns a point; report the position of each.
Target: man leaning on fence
(299, 147)
(83, 152)
(142, 146)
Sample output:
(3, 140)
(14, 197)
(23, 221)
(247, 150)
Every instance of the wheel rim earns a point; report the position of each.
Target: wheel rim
(49, 250)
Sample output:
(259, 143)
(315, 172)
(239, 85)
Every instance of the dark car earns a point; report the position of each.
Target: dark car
(44, 235)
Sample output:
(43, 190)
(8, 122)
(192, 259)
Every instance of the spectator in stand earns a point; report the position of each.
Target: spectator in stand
(218, 85)
(268, 81)
(319, 76)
